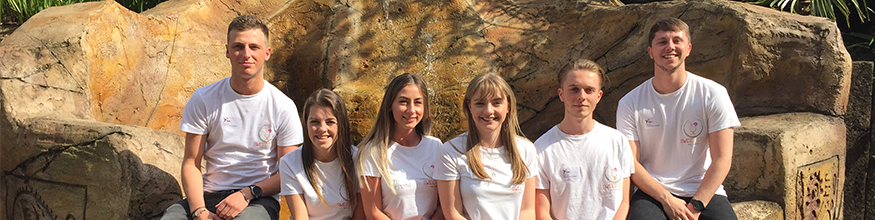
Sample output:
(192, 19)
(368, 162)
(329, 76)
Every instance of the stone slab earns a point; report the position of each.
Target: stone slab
(775, 157)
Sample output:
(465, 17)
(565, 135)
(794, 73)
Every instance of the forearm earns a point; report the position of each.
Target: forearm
(714, 177)
(193, 186)
(647, 184)
(542, 204)
(623, 209)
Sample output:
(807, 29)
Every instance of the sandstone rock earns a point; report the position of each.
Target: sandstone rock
(357, 47)
(88, 170)
(758, 210)
(794, 159)
(858, 122)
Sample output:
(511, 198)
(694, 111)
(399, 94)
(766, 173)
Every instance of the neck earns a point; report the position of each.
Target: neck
(249, 86)
(406, 137)
(668, 82)
(324, 155)
(576, 126)
(490, 139)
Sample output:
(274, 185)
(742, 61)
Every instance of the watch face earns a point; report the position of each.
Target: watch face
(698, 205)
(256, 191)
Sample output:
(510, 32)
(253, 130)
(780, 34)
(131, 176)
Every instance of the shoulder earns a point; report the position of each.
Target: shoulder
(546, 140)
(457, 145)
(292, 160)
(705, 83)
(608, 132)
(636, 92)
(524, 145)
(431, 142)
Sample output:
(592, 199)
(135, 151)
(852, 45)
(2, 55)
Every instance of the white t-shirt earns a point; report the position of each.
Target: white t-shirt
(412, 171)
(673, 130)
(496, 198)
(295, 182)
(242, 132)
(584, 173)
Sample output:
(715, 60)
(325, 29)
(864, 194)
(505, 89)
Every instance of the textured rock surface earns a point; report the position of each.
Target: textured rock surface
(758, 210)
(795, 159)
(88, 170)
(858, 122)
(356, 47)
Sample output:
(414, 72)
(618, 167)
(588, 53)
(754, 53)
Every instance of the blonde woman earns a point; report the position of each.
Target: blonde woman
(396, 161)
(318, 180)
(488, 172)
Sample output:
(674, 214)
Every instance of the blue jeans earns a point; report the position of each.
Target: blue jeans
(261, 208)
(642, 206)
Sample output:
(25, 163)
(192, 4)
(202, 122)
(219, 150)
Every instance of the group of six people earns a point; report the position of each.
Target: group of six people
(673, 140)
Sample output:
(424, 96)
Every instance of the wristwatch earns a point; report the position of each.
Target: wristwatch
(256, 191)
(698, 205)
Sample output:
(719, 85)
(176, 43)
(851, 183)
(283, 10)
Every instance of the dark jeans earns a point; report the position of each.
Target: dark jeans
(261, 208)
(642, 206)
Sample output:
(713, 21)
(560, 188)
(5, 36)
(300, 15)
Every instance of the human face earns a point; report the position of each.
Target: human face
(407, 108)
(669, 49)
(488, 112)
(247, 50)
(580, 92)
(322, 128)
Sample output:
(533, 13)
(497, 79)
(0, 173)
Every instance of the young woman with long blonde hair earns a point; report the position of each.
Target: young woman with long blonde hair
(488, 172)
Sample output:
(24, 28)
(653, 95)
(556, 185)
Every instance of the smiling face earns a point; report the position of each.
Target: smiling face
(580, 92)
(407, 108)
(669, 49)
(247, 50)
(322, 128)
(488, 111)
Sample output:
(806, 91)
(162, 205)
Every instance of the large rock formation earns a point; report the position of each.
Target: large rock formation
(98, 66)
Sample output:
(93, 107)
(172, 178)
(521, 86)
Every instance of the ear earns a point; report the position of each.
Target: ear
(649, 53)
(227, 52)
(267, 52)
(559, 91)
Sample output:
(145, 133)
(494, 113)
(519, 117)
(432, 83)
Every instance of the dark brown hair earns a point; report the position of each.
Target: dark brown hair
(342, 144)
(247, 22)
(669, 24)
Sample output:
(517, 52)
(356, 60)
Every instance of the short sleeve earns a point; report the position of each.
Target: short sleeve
(543, 178)
(194, 116)
(290, 131)
(289, 184)
(626, 119)
(626, 159)
(446, 166)
(721, 112)
(530, 158)
(369, 165)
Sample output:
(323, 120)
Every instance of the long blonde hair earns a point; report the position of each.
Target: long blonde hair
(342, 143)
(375, 144)
(490, 85)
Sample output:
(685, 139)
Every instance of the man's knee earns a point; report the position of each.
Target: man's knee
(718, 208)
(262, 208)
(177, 211)
(642, 206)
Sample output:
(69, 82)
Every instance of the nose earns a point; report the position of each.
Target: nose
(247, 52)
(322, 128)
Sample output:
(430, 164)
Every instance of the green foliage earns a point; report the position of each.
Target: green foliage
(868, 40)
(822, 8)
(24, 9)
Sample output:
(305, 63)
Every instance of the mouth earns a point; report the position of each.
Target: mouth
(489, 119)
(322, 138)
(248, 64)
(670, 56)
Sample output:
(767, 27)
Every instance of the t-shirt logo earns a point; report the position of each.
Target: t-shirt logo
(612, 174)
(649, 123)
(428, 169)
(266, 133)
(571, 172)
(693, 127)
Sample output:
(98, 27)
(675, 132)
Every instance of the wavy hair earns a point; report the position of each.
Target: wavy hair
(342, 143)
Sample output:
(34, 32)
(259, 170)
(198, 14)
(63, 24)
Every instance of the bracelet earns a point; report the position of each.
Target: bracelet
(198, 213)
(244, 195)
(198, 208)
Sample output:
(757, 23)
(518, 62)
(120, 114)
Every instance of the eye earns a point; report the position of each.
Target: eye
(331, 122)
(418, 102)
(575, 90)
